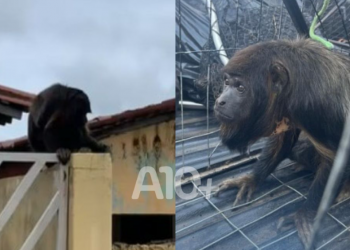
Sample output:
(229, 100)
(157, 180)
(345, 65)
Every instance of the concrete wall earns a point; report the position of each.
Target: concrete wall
(90, 203)
(152, 146)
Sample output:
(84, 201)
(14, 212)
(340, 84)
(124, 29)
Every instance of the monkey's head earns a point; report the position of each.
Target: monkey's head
(78, 105)
(255, 81)
(80, 100)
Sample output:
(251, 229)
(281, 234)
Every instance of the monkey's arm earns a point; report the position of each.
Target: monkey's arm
(277, 149)
(35, 136)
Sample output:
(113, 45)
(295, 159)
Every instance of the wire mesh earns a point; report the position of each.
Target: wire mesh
(211, 223)
(334, 25)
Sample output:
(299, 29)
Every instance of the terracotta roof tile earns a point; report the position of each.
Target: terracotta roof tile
(100, 123)
(133, 115)
(17, 98)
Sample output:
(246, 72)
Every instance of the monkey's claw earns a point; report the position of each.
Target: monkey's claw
(245, 184)
(63, 155)
(285, 223)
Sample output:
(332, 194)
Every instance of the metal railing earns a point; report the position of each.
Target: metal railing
(58, 203)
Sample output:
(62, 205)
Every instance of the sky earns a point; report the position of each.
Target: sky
(120, 52)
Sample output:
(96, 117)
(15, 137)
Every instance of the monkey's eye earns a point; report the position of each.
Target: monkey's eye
(240, 88)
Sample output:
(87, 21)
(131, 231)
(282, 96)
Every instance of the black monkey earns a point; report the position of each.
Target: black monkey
(277, 89)
(57, 122)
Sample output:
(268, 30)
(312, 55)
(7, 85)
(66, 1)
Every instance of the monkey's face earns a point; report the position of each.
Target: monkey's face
(79, 106)
(82, 103)
(248, 106)
(235, 103)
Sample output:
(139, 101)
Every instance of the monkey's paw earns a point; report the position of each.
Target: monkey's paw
(104, 148)
(302, 220)
(63, 155)
(245, 184)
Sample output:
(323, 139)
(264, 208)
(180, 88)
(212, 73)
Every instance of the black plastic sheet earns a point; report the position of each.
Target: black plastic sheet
(241, 23)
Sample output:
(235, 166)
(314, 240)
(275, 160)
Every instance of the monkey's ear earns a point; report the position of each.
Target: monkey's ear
(279, 76)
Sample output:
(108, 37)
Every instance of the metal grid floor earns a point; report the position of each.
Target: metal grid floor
(211, 223)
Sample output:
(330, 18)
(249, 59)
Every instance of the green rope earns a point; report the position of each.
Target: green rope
(328, 45)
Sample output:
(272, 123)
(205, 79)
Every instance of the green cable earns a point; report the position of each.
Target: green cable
(328, 45)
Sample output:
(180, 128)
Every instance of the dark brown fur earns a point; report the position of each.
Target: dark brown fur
(57, 122)
(300, 80)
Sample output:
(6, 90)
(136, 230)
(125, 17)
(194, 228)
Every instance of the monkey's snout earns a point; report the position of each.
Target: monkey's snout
(220, 103)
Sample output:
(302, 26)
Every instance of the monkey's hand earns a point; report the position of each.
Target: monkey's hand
(246, 185)
(102, 148)
(63, 155)
(97, 147)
